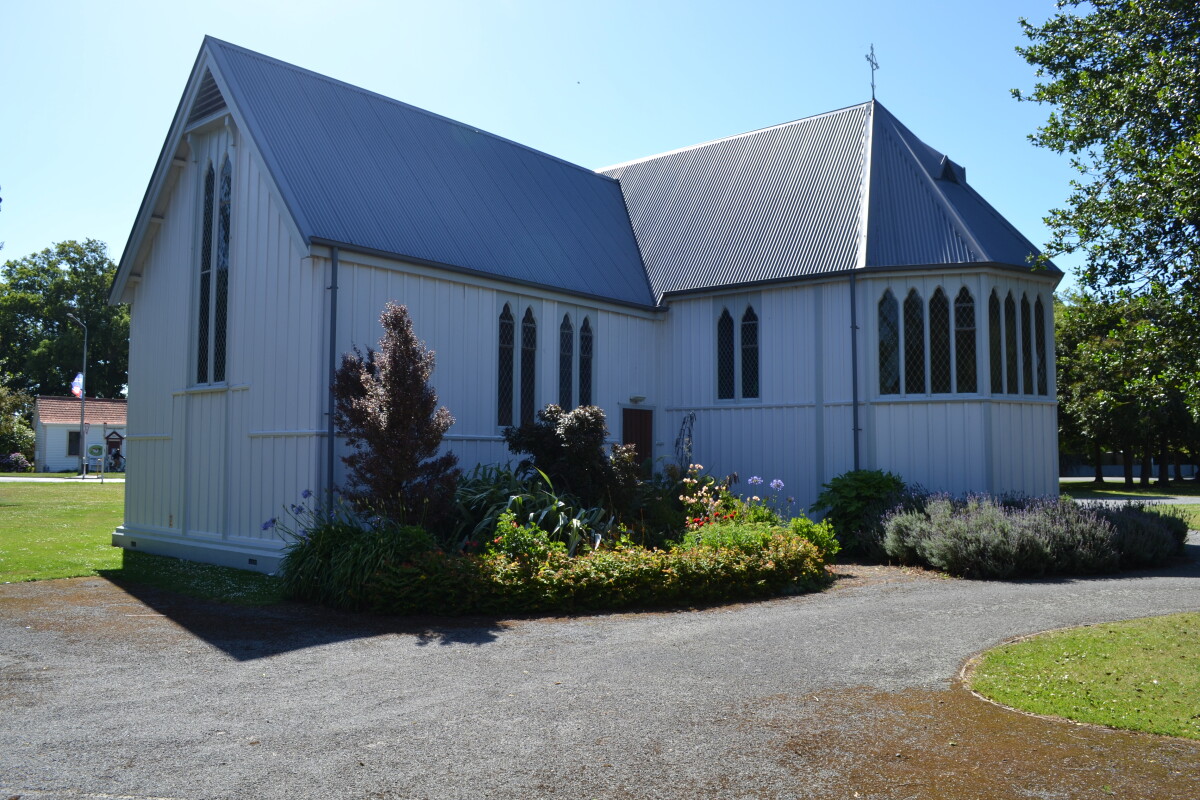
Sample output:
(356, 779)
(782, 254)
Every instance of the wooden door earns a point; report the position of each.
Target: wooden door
(637, 429)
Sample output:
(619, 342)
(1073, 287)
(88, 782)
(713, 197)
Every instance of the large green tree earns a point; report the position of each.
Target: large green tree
(1123, 77)
(41, 349)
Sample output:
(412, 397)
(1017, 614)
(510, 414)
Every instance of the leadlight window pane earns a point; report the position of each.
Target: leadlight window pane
(914, 344)
(585, 363)
(566, 362)
(1010, 343)
(749, 353)
(203, 310)
(528, 365)
(995, 344)
(725, 356)
(504, 382)
(939, 343)
(964, 342)
(889, 344)
(1026, 346)
(222, 278)
(1039, 323)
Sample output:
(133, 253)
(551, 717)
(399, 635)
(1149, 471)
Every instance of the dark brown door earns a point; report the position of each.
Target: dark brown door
(637, 429)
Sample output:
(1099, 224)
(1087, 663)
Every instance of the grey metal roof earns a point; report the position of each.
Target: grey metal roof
(843, 190)
(366, 171)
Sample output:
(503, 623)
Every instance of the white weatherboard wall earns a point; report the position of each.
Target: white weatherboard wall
(209, 463)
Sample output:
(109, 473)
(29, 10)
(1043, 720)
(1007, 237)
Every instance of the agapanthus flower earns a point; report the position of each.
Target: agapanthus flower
(777, 484)
(266, 526)
(754, 481)
(307, 493)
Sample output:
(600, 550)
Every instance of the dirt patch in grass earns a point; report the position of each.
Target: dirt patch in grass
(951, 744)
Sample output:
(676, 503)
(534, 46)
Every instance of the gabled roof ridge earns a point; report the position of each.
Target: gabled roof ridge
(393, 101)
(731, 138)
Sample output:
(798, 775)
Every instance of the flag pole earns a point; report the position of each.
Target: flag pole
(82, 403)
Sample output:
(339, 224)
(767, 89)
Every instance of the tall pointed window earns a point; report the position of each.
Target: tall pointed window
(914, 344)
(585, 363)
(725, 365)
(220, 309)
(1010, 344)
(1026, 346)
(995, 344)
(204, 304)
(528, 366)
(749, 353)
(504, 361)
(1039, 330)
(889, 344)
(939, 343)
(566, 362)
(212, 301)
(964, 342)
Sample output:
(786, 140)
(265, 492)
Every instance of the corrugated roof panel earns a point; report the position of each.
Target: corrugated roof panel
(778, 203)
(359, 168)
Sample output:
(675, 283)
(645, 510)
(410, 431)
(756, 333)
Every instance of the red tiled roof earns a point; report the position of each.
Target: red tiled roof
(57, 410)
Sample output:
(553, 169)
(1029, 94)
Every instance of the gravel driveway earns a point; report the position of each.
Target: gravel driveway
(849, 693)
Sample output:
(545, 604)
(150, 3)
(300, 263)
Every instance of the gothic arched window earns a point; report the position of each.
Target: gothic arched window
(749, 353)
(964, 342)
(914, 344)
(725, 365)
(939, 343)
(504, 372)
(566, 362)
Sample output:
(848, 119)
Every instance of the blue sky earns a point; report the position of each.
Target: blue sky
(89, 88)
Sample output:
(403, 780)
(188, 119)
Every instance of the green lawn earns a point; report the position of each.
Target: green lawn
(1115, 489)
(70, 474)
(1139, 675)
(64, 530)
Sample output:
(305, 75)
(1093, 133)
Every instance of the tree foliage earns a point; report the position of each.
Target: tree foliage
(40, 348)
(1124, 80)
(389, 414)
(1127, 373)
(568, 446)
(15, 434)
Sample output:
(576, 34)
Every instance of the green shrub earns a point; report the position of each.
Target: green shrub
(1000, 538)
(356, 568)
(568, 447)
(855, 503)
(820, 534)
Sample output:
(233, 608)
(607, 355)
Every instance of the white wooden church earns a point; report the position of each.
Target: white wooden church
(821, 294)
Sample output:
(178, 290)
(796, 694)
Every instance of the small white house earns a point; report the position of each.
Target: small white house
(808, 298)
(56, 432)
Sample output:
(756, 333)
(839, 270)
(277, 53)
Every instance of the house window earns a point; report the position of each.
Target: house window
(585, 363)
(889, 344)
(1039, 327)
(1026, 346)
(737, 357)
(939, 343)
(1010, 343)
(995, 344)
(749, 353)
(504, 360)
(528, 366)
(222, 276)
(964, 342)
(213, 290)
(725, 365)
(914, 344)
(205, 298)
(72, 443)
(566, 362)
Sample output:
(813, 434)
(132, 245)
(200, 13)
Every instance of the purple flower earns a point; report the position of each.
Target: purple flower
(307, 493)
(266, 526)
(777, 484)
(754, 481)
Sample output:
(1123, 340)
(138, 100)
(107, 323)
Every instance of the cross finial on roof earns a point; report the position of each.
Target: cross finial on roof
(874, 66)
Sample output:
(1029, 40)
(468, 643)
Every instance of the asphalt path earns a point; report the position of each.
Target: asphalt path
(848, 693)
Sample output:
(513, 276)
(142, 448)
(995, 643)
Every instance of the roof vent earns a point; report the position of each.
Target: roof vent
(951, 172)
(208, 100)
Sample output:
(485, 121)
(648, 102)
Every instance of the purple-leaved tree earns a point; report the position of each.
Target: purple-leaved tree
(389, 414)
